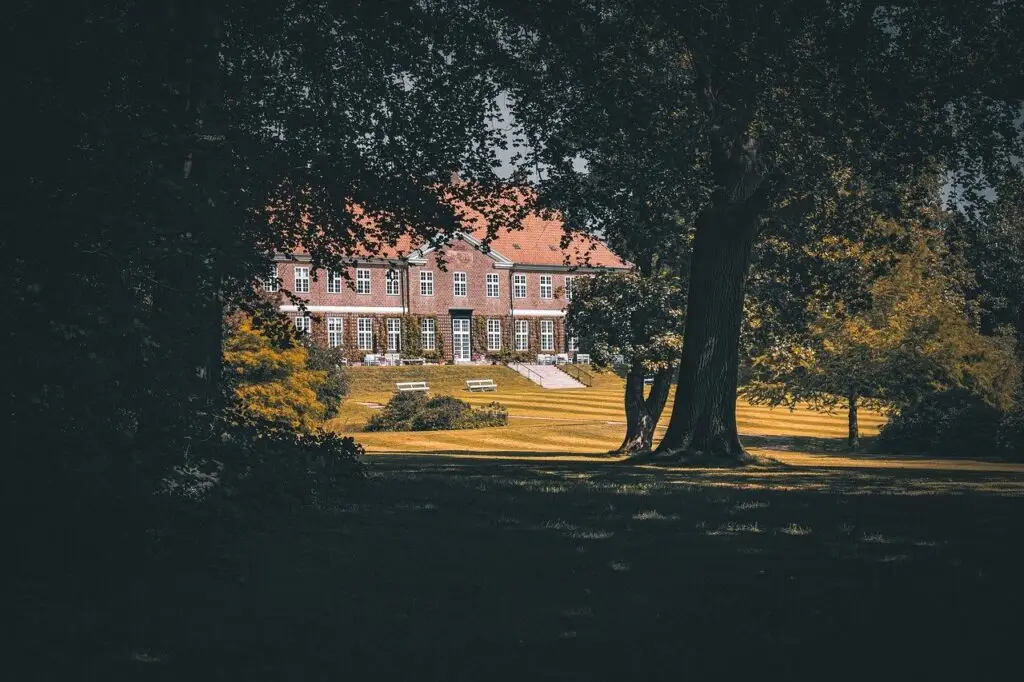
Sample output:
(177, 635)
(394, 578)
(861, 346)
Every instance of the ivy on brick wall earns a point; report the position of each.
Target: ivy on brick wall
(412, 337)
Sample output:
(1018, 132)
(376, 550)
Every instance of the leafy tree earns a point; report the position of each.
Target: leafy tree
(638, 317)
(333, 389)
(756, 110)
(914, 338)
(272, 384)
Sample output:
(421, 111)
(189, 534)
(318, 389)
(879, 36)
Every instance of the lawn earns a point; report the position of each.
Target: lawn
(579, 421)
(498, 569)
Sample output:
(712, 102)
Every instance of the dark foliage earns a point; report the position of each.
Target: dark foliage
(417, 412)
(333, 390)
(950, 423)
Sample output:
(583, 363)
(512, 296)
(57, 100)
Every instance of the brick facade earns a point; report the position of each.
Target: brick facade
(465, 263)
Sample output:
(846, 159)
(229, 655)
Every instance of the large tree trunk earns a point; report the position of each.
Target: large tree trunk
(853, 439)
(703, 422)
(642, 414)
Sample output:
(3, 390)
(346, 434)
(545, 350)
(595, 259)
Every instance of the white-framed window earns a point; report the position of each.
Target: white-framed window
(335, 331)
(426, 283)
(572, 343)
(493, 334)
(522, 335)
(493, 288)
(428, 333)
(394, 334)
(364, 333)
(333, 282)
(271, 283)
(460, 283)
(547, 335)
(568, 287)
(303, 324)
(301, 280)
(391, 283)
(547, 289)
(519, 286)
(362, 281)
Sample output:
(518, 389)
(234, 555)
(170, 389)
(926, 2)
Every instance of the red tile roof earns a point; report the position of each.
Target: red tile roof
(538, 242)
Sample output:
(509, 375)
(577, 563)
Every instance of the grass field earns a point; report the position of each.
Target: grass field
(579, 421)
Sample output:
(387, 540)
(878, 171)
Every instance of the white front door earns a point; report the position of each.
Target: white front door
(460, 339)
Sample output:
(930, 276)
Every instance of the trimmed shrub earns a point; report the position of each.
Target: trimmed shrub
(416, 412)
(952, 422)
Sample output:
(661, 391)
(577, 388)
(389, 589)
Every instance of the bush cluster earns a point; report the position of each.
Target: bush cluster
(954, 423)
(417, 412)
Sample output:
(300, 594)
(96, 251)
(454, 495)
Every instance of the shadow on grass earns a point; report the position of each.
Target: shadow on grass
(485, 569)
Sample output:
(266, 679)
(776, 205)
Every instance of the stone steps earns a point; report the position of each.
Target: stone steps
(546, 376)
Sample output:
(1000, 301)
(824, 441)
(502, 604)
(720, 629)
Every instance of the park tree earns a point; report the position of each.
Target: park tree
(270, 383)
(152, 143)
(638, 317)
(766, 104)
(915, 336)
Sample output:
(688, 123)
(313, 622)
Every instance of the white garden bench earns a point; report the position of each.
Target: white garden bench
(562, 359)
(414, 361)
(582, 358)
(370, 359)
(545, 359)
(411, 386)
(392, 359)
(481, 385)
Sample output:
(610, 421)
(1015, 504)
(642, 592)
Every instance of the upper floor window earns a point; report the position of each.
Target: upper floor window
(546, 288)
(568, 287)
(392, 283)
(362, 281)
(271, 283)
(333, 282)
(426, 283)
(519, 286)
(301, 280)
(492, 285)
(461, 283)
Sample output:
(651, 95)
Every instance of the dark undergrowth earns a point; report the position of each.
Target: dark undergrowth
(444, 569)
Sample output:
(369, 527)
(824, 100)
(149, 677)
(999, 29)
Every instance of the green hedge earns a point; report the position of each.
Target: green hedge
(417, 412)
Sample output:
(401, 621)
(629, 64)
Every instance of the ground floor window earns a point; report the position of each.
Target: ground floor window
(335, 327)
(428, 333)
(522, 334)
(394, 334)
(547, 335)
(493, 334)
(302, 324)
(364, 333)
(572, 342)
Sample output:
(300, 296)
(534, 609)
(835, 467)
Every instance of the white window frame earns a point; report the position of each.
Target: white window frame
(492, 285)
(522, 340)
(301, 280)
(363, 281)
(547, 286)
(428, 333)
(426, 283)
(493, 334)
(272, 284)
(519, 286)
(335, 332)
(547, 335)
(572, 343)
(394, 328)
(303, 324)
(333, 282)
(391, 282)
(460, 284)
(364, 333)
(568, 286)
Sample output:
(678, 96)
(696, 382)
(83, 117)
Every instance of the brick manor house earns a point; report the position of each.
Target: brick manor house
(508, 300)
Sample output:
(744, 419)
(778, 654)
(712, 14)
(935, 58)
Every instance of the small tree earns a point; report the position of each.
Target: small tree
(913, 338)
(641, 319)
(272, 383)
